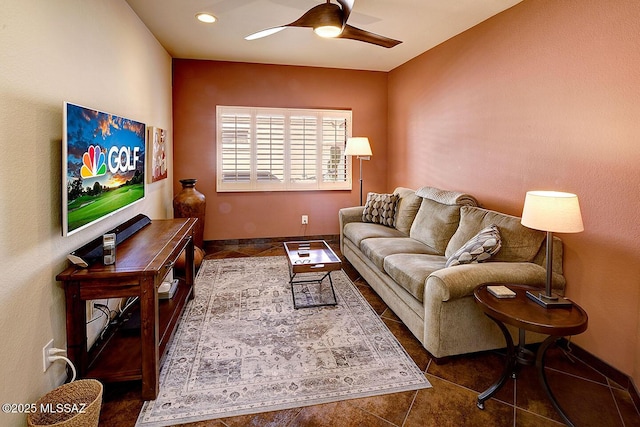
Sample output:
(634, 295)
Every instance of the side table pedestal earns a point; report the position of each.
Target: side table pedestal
(526, 315)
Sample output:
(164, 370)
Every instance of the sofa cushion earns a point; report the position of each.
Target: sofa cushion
(358, 231)
(479, 248)
(519, 243)
(435, 223)
(406, 208)
(411, 270)
(378, 249)
(380, 209)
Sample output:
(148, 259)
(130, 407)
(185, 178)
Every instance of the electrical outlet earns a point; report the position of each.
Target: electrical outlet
(305, 219)
(45, 356)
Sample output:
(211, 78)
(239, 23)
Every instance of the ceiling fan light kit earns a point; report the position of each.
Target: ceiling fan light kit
(328, 31)
(330, 20)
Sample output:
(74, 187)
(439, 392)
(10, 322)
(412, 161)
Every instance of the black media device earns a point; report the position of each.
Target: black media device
(93, 250)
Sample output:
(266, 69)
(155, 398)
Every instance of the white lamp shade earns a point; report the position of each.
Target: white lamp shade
(358, 146)
(553, 211)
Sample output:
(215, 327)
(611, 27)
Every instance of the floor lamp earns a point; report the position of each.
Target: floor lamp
(551, 211)
(359, 146)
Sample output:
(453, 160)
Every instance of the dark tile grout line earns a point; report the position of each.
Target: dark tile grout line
(615, 402)
(515, 401)
(413, 401)
(381, 418)
(581, 378)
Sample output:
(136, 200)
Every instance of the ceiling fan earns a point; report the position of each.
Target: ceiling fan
(330, 20)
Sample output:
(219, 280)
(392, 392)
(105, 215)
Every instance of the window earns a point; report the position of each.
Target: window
(275, 149)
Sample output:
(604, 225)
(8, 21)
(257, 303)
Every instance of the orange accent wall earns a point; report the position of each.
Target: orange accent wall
(546, 95)
(198, 86)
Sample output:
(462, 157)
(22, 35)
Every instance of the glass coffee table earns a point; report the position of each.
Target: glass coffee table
(314, 261)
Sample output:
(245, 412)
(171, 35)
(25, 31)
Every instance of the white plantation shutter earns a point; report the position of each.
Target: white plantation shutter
(303, 151)
(235, 144)
(271, 149)
(334, 165)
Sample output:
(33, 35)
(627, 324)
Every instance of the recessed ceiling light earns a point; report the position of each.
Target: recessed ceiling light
(206, 17)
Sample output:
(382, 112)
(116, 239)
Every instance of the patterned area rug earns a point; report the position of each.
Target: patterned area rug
(242, 348)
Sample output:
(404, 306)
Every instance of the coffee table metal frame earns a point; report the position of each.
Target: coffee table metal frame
(313, 256)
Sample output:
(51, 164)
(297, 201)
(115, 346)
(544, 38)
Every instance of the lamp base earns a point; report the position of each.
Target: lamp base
(549, 302)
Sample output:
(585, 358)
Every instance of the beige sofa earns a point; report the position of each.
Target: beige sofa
(404, 262)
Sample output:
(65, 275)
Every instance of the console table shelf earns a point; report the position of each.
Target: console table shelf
(142, 263)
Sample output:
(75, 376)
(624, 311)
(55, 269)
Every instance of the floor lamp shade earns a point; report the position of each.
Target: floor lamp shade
(358, 146)
(552, 212)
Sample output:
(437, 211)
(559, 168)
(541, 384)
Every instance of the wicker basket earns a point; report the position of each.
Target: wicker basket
(75, 404)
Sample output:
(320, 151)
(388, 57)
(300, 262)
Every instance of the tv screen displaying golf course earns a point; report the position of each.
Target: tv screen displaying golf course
(103, 158)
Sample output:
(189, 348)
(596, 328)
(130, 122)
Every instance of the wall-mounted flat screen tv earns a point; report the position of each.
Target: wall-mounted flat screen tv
(103, 165)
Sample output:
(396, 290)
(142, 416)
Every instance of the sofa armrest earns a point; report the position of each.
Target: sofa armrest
(347, 215)
(352, 214)
(459, 281)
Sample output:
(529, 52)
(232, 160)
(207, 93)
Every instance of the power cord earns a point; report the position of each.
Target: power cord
(567, 350)
(129, 303)
(53, 355)
(113, 316)
(98, 317)
(105, 309)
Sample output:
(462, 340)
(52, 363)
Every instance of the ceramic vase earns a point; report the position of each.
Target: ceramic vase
(190, 203)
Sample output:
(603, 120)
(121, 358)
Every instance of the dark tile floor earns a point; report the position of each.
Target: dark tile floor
(588, 397)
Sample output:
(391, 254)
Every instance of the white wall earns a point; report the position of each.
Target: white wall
(95, 53)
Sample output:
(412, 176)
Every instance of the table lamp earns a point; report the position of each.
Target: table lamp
(551, 211)
(359, 146)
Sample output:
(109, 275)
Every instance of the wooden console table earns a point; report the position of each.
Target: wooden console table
(142, 262)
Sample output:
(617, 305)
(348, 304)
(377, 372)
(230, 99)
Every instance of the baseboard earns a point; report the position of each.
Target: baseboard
(607, 370)
(270, 240)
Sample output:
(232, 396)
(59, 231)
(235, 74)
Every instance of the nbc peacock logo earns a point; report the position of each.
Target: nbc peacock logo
(93, 163)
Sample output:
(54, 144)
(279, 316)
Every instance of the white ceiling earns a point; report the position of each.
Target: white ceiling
(420, 24)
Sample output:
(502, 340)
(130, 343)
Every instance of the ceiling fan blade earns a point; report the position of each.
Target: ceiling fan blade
(264, 33)
(318, 15)
(354, 33)
(347, 7)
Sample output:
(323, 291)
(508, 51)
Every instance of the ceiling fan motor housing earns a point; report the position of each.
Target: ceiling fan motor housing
(329, 20)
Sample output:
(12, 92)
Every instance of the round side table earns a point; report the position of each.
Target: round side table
(526, 315)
